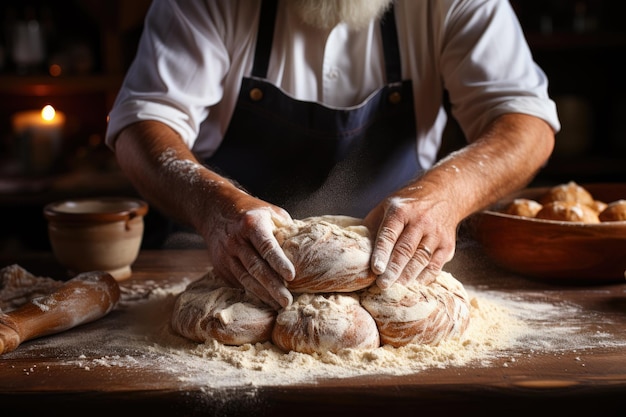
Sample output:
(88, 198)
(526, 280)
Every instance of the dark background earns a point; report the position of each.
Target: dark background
(579, 44)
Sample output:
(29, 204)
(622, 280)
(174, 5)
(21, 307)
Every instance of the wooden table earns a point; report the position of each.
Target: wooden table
(584, 380)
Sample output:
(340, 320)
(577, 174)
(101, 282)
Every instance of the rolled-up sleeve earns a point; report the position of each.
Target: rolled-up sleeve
(488, 67)
(177, 72)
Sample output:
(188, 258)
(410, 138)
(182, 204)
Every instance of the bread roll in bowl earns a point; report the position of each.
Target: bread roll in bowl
(418, 313)
(330, 254)
(325, 323)
(210, 309)
(570, 192)
(615, 211)
(523, 207)
(568, 211)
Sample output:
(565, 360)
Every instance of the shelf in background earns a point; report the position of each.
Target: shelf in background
(46, 85)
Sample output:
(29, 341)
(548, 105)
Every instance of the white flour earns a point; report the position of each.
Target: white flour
(184, 167)
(18, 286)
(137, 335)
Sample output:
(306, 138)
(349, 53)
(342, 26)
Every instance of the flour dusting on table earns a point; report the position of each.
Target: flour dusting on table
(137, 335)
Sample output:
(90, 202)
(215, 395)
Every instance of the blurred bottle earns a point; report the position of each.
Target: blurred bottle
(28, 50)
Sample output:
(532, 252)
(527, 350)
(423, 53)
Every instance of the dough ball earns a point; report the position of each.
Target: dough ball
(614, 212)
(325, 322)
(330, 254)
(210, 309)
(418, 313)
(568, 211)
(523, 207)
(570, 192)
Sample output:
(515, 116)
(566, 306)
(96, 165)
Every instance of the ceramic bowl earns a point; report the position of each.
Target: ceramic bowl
(97, 234)
(555, 250)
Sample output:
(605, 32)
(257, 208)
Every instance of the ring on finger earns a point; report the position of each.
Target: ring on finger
(425, 248)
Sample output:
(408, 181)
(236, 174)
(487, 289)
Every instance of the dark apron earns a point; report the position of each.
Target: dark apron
(311, 159)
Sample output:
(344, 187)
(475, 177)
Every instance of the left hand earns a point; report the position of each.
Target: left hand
(415, 235)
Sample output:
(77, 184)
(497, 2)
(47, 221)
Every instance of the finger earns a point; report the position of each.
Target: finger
(385, 242)
(428, 275)
(263, 240)
(403, 252)
(273, 296)
(252, 286)
(415, 267)
(420, 259)
(260, 271)
(438, 259)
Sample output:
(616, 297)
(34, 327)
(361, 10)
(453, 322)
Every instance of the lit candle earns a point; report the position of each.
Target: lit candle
(39, 133)
(46, 121)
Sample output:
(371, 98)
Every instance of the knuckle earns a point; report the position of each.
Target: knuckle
(387, 234)
(428, 275)
(266, 248)
(405, 249)
(393, 269)
(256, 268)
(422, 256)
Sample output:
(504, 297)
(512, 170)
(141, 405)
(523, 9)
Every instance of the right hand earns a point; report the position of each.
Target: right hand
(243, 250)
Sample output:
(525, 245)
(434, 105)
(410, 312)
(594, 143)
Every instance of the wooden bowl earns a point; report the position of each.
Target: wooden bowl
(97, 234)
(554, 250)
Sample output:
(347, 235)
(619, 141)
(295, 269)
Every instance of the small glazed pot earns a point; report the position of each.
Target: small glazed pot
(97, 234)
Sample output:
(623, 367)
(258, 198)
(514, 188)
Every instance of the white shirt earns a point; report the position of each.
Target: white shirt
(194, 53)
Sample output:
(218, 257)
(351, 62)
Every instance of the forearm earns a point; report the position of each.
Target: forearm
(504, 158)
(237, 228)
(416, 226)
(167, 174)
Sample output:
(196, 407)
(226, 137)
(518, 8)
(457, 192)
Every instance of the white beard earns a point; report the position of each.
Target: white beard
(326, 14)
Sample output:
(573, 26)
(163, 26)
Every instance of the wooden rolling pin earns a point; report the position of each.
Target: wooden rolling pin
(84, 298)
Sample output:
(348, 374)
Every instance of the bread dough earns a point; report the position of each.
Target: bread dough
(614, 211)
(568, 211)
(337, 304)
(418, 313)
(329, 253)
(523, 207)
(325, 323)
(211, 309)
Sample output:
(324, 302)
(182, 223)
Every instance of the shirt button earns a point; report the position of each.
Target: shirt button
(256, 94)
(395, 97)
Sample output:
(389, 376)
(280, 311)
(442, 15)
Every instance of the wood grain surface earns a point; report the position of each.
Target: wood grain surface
(41, 377)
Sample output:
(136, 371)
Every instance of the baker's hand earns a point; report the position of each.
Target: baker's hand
(242, 248)
(415, 236)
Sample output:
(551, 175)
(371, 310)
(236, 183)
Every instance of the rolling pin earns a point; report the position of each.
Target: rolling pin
(84, 298)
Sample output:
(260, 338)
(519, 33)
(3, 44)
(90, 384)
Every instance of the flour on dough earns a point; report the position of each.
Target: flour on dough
(211, 309)
(419, 313)
(329, 253)
(325, 323)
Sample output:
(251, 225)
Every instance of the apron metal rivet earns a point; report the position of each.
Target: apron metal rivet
(256, 94)
(395, 97)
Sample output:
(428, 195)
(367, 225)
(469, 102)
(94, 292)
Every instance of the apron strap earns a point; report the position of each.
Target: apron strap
(393, 63)
(265, 35)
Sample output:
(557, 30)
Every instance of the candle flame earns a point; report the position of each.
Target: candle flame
(48, 113)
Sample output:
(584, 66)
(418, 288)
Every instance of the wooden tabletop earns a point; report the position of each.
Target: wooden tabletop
(81, 371)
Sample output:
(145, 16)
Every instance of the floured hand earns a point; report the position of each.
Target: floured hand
(243, 249)
(416, 236)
